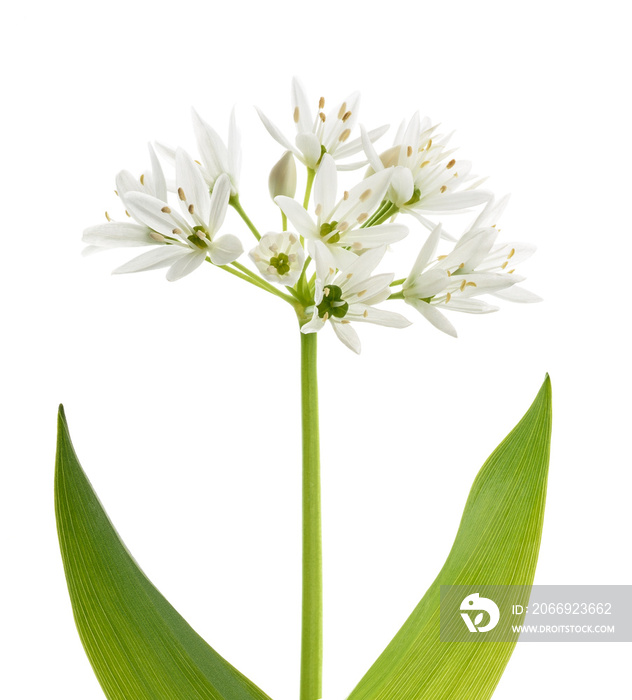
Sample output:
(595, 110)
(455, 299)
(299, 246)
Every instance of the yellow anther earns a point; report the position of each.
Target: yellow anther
(409, 151)
(116, 193)
(342, 227)
(513, 250)
(362, 218)
(128, 214)
(181, 194)
(510, 271)
(342, 111)
(176, 231)
(345, 196)
(345, 135)
(449, 273)
(321, 103)
(191, 209)
(356, 245)
(461, 266)
(429, 144)
(107, 216)
(326, 316)
(366, 313)
(463, 285)
(365, 195)
(471, 284)
(326, 291)
(442, 257)
(346, 116)
(504, 265)
(318, 210)
(142, 179)
(166, 210)
(448, 296)
(423, 165)
(322, 116)
(362, 293)
(443, 189)
(350, 275)
(450, 164)
(331, 270)
(198, 162)
(296, 115)
(345, 321)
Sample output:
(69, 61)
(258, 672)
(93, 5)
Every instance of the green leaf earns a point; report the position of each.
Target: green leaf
(138, 645)
(497, 544)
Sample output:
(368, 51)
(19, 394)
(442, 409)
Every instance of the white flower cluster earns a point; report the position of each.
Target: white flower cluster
(324, 266)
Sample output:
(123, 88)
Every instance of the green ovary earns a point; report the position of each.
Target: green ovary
(332, 303)
(281, 263)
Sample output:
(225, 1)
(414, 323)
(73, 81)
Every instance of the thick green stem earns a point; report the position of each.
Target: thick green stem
(312, 618)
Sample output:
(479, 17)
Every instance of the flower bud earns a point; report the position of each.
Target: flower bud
(282, 180)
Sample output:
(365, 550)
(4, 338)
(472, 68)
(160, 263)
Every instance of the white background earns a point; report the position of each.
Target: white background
(183, 398)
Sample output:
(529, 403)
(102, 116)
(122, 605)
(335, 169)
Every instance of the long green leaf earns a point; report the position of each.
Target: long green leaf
(497, 544)
(138, 645)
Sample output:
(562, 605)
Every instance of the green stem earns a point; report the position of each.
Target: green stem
(396, 283)
(308, 189)
(235, 203)
(252, 277)
(312, 616)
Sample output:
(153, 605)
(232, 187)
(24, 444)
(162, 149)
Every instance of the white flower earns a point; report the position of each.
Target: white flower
(337, 234)
(350, 297)
(116, 234)
(426, 177)
(217, 158)
(475, 266)
(279, 257)
(318, 133)
(184, 240)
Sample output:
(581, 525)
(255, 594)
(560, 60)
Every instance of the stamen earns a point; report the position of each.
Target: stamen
(166, 210)
(448, 296)
(409, 151)
(366, 313)
(345, 196)
(362, 218)
(345, 135)
(450, 164)
(128, 214)
(513, 250)
(443, 189)
(365, 195)
(107, 216)
(471, 284)
(191, 208)
(321, 103)
(504, 265)
(342, 227)
(463, 285)
(362, 293)
(331, 270)
(142, 179)
(449, 273)
(350, 275)
(423, 165)
(176, 231)
(181, 194)
(198, 162)
(296, 114)
(116, 193)
(429, 144)
(346, 116)
(293, 238)
(342, 111)
(510, 271)
(326, 316)
(345, 321)
(326, 291)
(461, 266)
(318, 210)
(357, 245)
(157, 237)
(322, 116)
(442, 257)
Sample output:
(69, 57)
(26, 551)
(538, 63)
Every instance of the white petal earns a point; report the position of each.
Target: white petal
(324, 260)
(148, 210)
(212, 148)
(218, 203)
(432, 314)
(352, 147)
(225, 249)
(427, 252)
(364, 197)
(300, 219)
(300, 107)
(153, 259)
(190, 180)
(342, 257)
(381, 317)
(469, 306)
(347, 335)
(276, 134)
(309, 146)
(371, 153)
(325, 187)
(374, 236)
(428, 284)
(185, 265)
(314, 325)
(453, 201)
(362, 267)
(234, 151)
(125, 183)
(158, 176)
(518, 294)
(402, 186)
(118, 235)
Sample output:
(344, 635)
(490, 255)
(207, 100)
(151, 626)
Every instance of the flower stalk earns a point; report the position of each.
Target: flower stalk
(312, 605)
